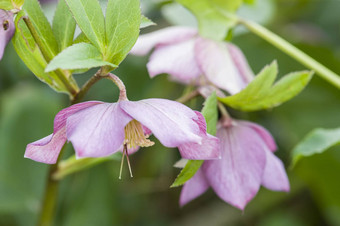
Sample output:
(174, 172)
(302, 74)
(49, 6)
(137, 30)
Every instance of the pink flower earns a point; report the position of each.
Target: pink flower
(182, 53)
(7, 29)
(98, 129)
(247, 162)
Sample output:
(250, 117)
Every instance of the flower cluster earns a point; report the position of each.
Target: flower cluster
(247, 159)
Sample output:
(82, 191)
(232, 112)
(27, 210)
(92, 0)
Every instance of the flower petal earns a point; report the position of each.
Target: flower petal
(165, 36)
(262, 132)
(218, 66)
(241, 62)
(171, 122)
(7, 29)
(97, 131)
(275, 177)
(209, 149)
(236, 178)
(176, 59)
(193, 188)
(47, 149)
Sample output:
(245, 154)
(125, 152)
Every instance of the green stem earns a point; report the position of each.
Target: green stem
(48, 56)
(292, 51)
(188, 96)
(50, 197)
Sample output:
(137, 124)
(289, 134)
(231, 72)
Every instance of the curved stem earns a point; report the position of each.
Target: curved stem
(80, 95)
(188, 96)
(50, 197)
(292, 51)
(119, 83)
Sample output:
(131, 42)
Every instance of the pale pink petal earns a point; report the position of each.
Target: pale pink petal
(171, 122)
(275, 177)
(7, 29)
(236, 178)
(47, 149)
(97, 131)
(209, 149)
(262, 132)
(218, 66)
(241, 63)
(165, 36)
(176, 59)
(193, 188)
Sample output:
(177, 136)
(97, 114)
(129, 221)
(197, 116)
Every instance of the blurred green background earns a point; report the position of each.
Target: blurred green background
(97, 197)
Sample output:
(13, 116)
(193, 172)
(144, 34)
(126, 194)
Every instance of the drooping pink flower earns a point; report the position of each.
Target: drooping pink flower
(7, 29)
(98, 129)
(247, 163)
(182, 53)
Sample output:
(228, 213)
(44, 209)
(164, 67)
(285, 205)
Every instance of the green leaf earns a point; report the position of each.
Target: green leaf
(63, 26)
(81, 38)
(262, 94)
(210, 114)
(212, 23)
(123, 19)
(89, 17)
(78, 56)
(42, 26)
(187, 172)
(30, 54)
(316, 142)
(146, 22)
(11, 4)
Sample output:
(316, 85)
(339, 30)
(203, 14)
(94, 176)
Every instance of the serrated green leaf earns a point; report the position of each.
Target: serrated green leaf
(316, 142)
(30, 54)
(261, 94)
(78, 56)
(63, 26)
(11, 4)
(81, 38)
(89, 17)
(6, 4)
(121, 33)
(42, 26)
(146, 22)
(212, 23)
(210, 114)
(187, 172)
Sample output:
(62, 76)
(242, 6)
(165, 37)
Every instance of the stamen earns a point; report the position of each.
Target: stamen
(125, 152)
(134, 135)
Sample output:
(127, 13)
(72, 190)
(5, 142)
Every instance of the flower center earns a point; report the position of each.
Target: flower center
(5, 25)
(134, 135)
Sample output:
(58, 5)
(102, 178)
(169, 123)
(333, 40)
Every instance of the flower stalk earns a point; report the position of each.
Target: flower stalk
(292, 51)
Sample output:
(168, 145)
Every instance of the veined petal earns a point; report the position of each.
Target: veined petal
(193, 188)
(218, 66)
(171, 122)
(275, 177)
(176, 59)
(165, 36)
(7, 29)
(262, 132)
(209, 149)
(241, 63)
(236, 178)
(47, 149)
(97, 131)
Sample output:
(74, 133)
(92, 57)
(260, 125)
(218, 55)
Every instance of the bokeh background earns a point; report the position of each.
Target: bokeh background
(97, 197)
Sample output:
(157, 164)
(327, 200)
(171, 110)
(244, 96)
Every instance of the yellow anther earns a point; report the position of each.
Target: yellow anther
(134, 135)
